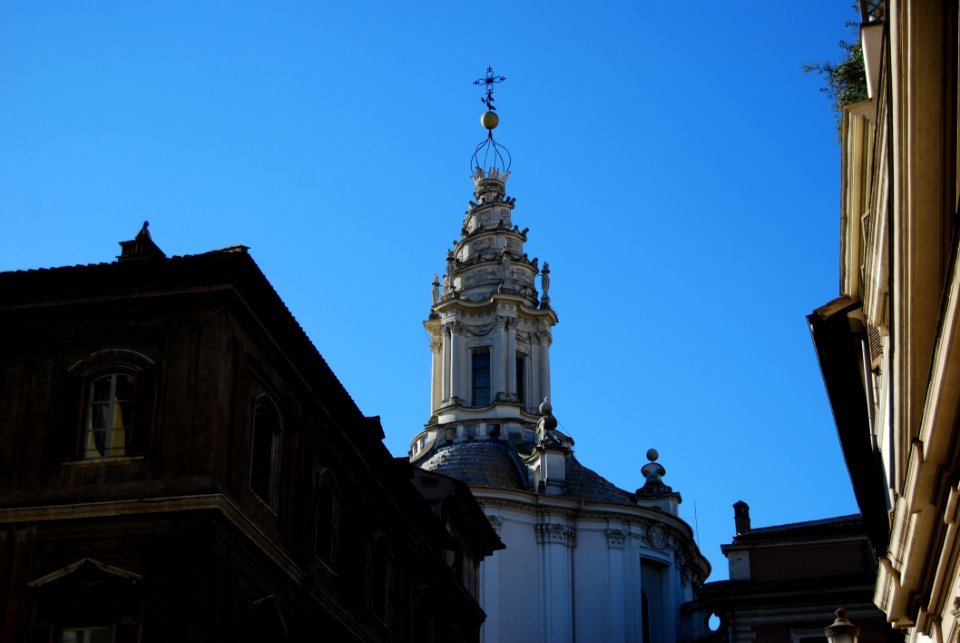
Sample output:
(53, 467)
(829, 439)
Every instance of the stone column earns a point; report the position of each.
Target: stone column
(534, 371)
(497, 372)
(456, 362)
(511, 387)
(436, 373)
(445, 363)
(545, 341)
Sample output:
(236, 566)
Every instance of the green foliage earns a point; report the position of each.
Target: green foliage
(846, 81)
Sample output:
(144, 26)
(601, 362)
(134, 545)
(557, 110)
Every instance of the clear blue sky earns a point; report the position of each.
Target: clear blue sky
(673, 164)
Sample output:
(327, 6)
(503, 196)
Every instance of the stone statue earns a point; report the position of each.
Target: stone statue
(436, 289)
(545, 280)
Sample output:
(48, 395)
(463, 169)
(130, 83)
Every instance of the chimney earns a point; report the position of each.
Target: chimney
(741, 517)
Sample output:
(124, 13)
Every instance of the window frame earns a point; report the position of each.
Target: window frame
(480, 369)
(265, 406)
(114, 430)
(327, 481)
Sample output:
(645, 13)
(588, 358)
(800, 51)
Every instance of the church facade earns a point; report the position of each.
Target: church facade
(584, 559)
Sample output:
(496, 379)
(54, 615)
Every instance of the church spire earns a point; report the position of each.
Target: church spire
(490, 332)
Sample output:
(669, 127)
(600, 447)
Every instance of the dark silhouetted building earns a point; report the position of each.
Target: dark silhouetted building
(786, 581)
(178, 463)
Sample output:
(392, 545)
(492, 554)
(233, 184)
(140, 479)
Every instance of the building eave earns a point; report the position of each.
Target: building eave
(839, 355)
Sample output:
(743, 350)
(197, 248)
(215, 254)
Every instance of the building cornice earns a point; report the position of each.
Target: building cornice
(159, 506)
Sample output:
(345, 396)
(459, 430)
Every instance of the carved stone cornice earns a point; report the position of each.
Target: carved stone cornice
(555, 533)
(496, 522)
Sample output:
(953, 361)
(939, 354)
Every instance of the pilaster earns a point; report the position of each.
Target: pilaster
(616, 539)
(555, 542)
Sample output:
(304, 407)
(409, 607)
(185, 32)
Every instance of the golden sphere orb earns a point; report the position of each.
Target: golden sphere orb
(490, 120)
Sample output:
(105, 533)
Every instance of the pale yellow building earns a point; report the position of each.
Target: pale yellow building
(889, 346)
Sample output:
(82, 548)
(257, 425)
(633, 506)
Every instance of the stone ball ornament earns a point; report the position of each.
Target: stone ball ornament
(545, 407)
(489, 120)
(652, 454)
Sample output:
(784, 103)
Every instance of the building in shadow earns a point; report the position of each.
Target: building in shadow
(178, 462)
(787, 581)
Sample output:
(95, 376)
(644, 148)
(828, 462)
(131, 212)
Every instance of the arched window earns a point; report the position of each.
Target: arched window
(263, 448)
(328, 518)
(107, 404)
(423, 621)
(381, 582)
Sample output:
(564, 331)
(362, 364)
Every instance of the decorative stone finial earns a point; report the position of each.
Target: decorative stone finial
(653, 473)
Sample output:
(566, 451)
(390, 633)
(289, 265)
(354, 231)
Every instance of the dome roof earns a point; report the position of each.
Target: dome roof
(487, 463)
(496, 464)
(587, 484)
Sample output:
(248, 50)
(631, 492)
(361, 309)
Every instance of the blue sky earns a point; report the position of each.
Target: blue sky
(673, 164)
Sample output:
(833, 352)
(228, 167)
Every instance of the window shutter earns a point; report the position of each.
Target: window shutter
(144, 405)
